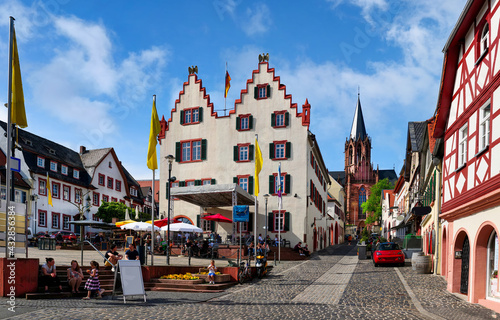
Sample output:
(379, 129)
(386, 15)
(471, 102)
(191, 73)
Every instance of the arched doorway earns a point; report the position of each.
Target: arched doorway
(460, 243)
(444, 255)
(486, 264)
(464, 273)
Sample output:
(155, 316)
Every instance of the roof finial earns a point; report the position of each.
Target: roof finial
(358, 91)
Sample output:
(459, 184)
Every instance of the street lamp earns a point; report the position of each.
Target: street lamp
(170, 158)
(266, 196)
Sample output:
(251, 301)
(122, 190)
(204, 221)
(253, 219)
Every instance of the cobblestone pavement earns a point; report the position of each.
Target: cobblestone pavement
(293, 290)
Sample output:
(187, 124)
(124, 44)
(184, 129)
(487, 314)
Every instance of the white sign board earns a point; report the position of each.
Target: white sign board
(131, 277)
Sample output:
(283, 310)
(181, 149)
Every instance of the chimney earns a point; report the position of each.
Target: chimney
(82, 150)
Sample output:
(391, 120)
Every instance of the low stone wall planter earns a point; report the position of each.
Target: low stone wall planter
(219, 278)
(172, 281)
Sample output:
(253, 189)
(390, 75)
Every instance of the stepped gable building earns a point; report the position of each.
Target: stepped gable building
(211, 149)
(358, 175)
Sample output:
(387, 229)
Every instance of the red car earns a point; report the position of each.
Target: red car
(388, 252)
(67, 236)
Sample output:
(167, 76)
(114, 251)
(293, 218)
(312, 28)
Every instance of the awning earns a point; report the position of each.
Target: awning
(421, 211)
(216, 195)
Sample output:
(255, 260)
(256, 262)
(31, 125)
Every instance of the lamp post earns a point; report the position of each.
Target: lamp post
(266, 196)
(170, 158)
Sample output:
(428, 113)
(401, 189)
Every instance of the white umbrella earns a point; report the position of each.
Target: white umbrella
(185, 227)
(127, 216)
(136, 213)
(138, 226)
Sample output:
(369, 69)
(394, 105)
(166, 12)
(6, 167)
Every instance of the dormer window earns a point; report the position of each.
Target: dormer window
(133, 191)
(64, 169)
(40, 162)
(76, 174)
(53, 166)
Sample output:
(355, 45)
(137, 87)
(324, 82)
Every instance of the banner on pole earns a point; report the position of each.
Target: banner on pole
(241, 214)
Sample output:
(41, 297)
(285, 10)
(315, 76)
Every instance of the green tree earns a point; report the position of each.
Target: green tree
(373, 206)
(109, 210)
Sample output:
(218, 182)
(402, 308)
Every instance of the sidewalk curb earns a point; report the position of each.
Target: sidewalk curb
(414, 299)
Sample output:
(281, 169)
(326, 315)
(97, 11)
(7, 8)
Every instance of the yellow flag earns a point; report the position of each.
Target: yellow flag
(18, 113)
(258, 166)
(153, 133)
(49, 190)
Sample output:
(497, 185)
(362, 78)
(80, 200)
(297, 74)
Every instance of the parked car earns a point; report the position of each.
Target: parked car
(66, 236)
(388, 252)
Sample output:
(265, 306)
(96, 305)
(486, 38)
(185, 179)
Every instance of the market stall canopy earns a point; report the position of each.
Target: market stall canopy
(139, 226)
(121, 223)
(216, 195)
(93, 224)
(181, 226)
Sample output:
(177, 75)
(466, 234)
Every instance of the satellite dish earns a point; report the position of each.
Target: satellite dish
(400, 218)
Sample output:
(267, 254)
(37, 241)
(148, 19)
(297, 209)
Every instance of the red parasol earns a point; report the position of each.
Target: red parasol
(163, 222)
(217, 217)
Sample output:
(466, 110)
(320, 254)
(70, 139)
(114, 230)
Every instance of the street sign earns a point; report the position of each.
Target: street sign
(15, 164)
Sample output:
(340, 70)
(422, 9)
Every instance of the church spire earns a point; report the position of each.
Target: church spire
(358, 130)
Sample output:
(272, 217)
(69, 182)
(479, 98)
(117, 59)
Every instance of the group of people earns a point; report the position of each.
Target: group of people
(198, 248)
(262, 248)
(48, 277)
(302, 250)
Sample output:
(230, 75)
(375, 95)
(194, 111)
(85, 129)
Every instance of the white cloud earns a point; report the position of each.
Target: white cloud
(85, 80)
(257, 20)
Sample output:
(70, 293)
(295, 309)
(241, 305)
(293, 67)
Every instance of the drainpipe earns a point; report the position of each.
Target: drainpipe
(437, 163)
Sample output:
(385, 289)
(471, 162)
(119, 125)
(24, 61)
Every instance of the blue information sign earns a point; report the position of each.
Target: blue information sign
(241, 214)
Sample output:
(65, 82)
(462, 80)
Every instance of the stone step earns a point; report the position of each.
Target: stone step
(61, 295)
(185, 290)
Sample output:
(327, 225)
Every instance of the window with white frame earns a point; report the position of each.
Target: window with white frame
(20, 196)
(95, 199)
(262, 92)
(42, 187)
(76, 174)
(175, 184)
(55, 190)
(244, 123)
(40, 162)
(66, 220)
(279, 152)
(105, 198)
(484, 127)
(280, 120)
(186, 151)
(243, 183)
(64, 169)
(118, 185)
(196, 150)
(277, 183)
(190, 183)
(133, 191)
(206, 225)
(279, 224)
(66, 193)
(42, 218)
(55, 220)
(78, 195)
(484, 38)
(53, 166)
(243, 153)
(206, 182)
(462, 146)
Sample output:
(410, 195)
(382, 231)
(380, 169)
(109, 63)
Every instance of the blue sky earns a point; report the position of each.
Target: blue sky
(90, 68)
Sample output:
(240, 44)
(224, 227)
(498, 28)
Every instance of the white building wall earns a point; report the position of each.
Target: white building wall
(221, 136)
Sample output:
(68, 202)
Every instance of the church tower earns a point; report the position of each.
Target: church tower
(359, 174)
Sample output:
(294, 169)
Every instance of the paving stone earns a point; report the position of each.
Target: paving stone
(333, 284)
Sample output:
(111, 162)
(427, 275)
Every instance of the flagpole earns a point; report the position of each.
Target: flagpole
(225, 94)
(279, 215)
(9, 136)
(255, 216)
(153, 209)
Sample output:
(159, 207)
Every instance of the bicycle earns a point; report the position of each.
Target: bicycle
(244, 271)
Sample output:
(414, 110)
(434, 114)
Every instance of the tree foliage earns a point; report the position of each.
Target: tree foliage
(373, 205)
(109, 210)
